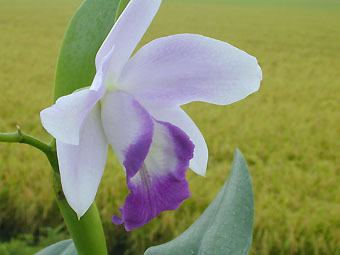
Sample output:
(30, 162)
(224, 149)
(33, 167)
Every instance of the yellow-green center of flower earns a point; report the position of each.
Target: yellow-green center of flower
(110, 84)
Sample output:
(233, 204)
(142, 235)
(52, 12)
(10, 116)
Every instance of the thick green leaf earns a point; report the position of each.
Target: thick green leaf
(121, 7)
(84, 36)
(226, 226)
(62, 248)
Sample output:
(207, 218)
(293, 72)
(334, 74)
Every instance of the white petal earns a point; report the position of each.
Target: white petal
(179, 118)
(82, 166)
(126, 34)
(64, 119)
(128, 128)
(179, 69)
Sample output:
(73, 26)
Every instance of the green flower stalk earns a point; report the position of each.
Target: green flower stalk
(87, 233)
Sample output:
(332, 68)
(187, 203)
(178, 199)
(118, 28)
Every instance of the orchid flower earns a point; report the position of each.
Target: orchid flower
(134, 104)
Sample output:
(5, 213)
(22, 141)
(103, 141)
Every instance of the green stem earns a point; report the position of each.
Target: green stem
(20, 137)
(122, 5)
(87, 233)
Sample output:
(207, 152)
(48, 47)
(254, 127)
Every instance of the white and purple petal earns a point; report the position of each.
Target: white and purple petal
(126, 34)
(82, 166)
(160, 184)
(128, 128)
(179, 69)
(179, 118)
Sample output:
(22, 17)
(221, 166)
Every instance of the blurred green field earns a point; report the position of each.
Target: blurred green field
(289, 131)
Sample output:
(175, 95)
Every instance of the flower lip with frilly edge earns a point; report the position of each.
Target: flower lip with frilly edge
(134, 104)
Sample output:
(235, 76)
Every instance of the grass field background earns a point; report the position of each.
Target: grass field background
(289, 131)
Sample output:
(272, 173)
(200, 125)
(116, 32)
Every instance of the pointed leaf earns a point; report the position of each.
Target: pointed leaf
(226, 226)
(65, 247)
(85, 34)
